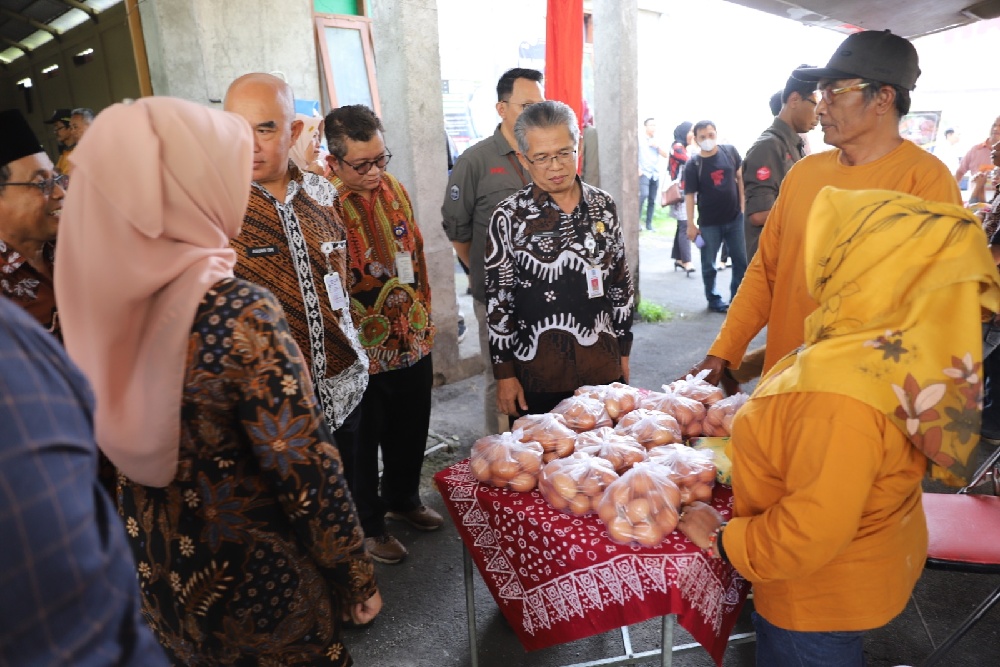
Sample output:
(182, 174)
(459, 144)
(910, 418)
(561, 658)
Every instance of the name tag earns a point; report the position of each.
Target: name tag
(335, 291)
(595, 282)
(404, 268)
(261, 251)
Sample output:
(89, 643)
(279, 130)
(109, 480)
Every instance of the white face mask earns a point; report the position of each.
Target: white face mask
(707, 145)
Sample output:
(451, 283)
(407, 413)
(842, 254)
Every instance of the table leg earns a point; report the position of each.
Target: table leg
(470, 606)
(667, 641)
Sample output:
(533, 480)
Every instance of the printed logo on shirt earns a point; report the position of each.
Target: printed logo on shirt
(497, 170)
(763, 174)
(718, 176)
(455, 193)
(263, 250)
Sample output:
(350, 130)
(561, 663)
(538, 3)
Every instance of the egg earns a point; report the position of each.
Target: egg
(620, 530)
(647, 534)
(564, 485)
(554, 499)
(480, 469)
(523, 482)
(591, 486)
(702, 492)
(641, 481)
(505, 468)
(580, 504)
(529, 461)
(666, 519)
(606, 509)
(637, 510)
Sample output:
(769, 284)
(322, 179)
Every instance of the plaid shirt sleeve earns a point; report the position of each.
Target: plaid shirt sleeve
(69, 584)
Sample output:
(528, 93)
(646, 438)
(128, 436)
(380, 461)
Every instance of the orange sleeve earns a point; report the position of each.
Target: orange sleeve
(750, 310)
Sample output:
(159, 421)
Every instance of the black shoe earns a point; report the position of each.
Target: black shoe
(718, 307)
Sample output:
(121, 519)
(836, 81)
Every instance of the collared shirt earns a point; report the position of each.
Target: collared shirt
(69, 583)
(765, 166)
(282, 247)
(484, 175)
(393, 317)
(27, 287)
(649, 156)
(976, 160)
(544, 328)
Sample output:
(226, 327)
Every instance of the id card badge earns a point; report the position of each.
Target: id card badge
(335, 290)
(404, 267)
(595, 282)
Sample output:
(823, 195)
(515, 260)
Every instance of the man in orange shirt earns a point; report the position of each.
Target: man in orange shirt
(865, 89)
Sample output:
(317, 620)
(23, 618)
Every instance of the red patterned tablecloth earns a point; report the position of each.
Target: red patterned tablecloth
(557, 577)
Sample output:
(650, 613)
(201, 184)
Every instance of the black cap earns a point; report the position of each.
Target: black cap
(880, 56)
(17, 140)
(63, 115)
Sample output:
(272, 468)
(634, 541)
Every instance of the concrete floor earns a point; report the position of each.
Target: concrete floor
(423, 623)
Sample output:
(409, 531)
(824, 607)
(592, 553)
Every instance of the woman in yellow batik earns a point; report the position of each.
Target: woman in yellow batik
(829, 452)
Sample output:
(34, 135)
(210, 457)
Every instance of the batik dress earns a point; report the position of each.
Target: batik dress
(252, 554)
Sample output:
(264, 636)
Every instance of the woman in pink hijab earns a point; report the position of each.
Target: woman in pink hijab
(245, 537)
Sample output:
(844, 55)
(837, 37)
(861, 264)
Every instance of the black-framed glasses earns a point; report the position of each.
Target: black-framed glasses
(829, 93)
(563, 157)
(48, 185)
(364, 167)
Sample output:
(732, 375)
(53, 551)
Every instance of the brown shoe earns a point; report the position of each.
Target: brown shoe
(422, 518)
(385, 549)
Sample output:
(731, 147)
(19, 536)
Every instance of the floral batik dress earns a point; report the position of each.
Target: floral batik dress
(253, 552)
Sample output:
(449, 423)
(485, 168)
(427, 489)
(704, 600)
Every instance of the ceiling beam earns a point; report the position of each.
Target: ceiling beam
(37, 25)
(17, 45)
(87, 9)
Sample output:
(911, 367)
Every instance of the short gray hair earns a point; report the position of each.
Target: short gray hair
(545, 114)
(85, 113)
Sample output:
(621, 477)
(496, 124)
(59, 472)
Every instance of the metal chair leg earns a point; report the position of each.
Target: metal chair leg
(973, 618)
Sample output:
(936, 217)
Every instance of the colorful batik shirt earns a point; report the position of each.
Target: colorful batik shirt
(393, 317)
(291, 247)
(24, 285)
(544, 328)
(253, 552)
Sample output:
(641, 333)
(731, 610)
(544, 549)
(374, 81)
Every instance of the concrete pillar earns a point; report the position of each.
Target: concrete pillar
(408, 63)
(197, 47)
(616, 111)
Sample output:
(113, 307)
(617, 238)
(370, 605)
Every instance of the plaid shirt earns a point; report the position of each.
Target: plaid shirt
(68, 581)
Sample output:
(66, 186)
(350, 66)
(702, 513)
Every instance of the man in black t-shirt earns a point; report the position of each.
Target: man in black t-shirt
(713, 180)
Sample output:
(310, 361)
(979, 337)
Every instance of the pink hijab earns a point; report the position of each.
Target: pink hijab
(160, 186)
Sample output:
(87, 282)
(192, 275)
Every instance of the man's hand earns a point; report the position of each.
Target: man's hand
(625, 369)
(715, 366)
(365, 612)
(510, 396)
(692, 231)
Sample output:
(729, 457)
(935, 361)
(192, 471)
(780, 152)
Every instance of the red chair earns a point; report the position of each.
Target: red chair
(962, 530)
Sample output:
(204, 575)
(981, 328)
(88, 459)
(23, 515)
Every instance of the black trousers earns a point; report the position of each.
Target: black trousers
(395, 416)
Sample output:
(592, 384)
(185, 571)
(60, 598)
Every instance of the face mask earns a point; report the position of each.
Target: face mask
(707, 145)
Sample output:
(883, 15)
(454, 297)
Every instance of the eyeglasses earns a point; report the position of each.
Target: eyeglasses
(562, 157)
(829, 93)
(364, 167)
(49, 184)
(523, 105)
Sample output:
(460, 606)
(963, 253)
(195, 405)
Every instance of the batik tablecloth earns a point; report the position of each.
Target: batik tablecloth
(557, 577)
